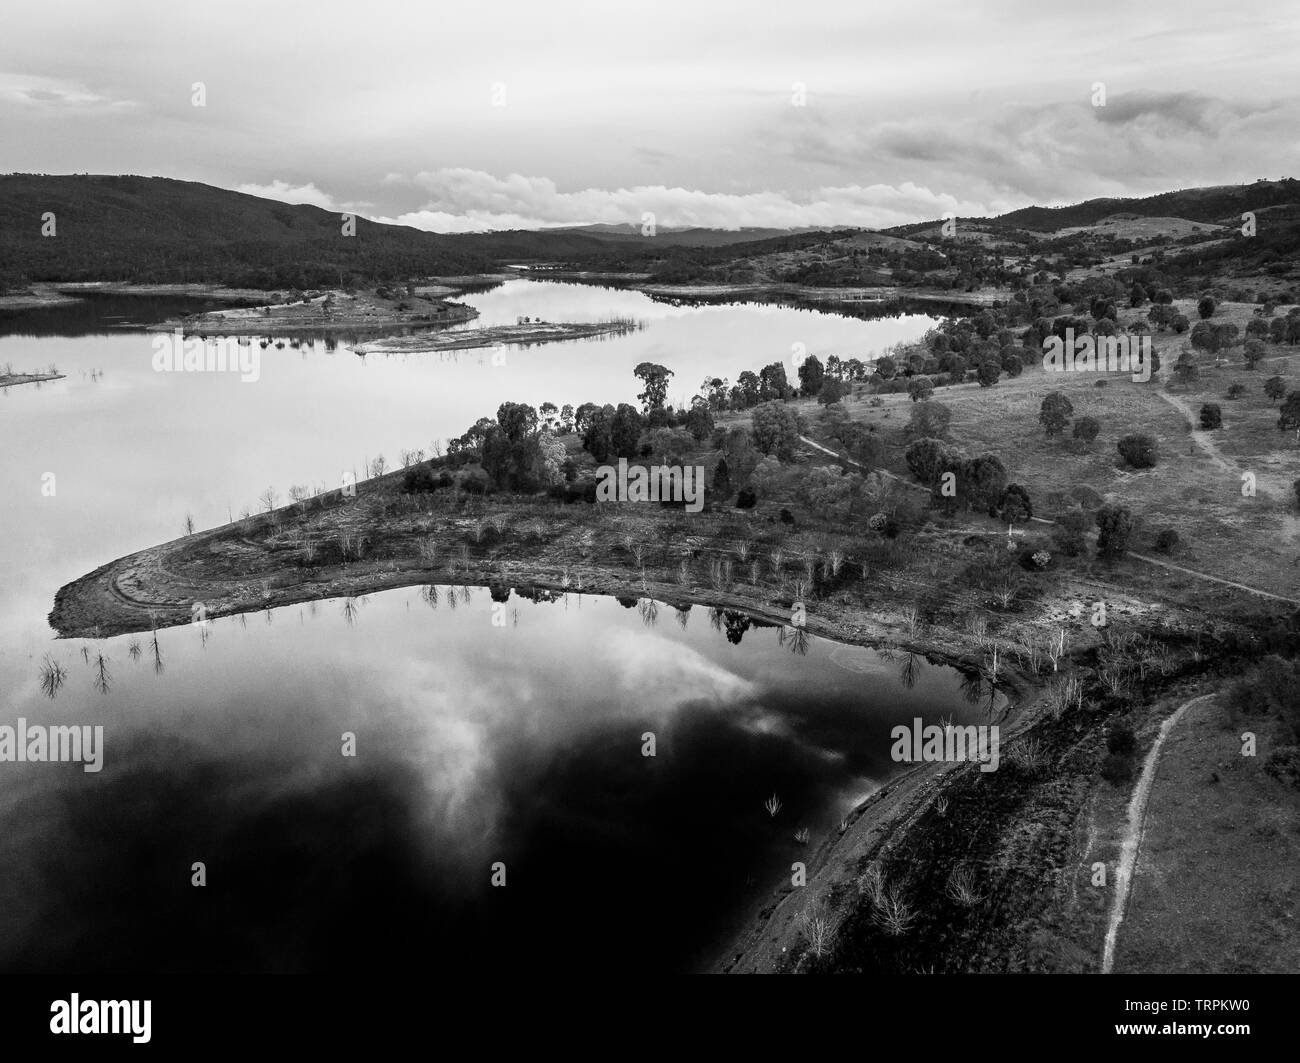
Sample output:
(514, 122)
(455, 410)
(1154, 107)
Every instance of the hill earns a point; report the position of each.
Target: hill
(163, 230)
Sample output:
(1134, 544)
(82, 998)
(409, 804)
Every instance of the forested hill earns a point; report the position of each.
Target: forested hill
(1224, 203)
(162, 230)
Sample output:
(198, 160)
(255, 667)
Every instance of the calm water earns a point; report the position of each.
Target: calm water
(476, 744)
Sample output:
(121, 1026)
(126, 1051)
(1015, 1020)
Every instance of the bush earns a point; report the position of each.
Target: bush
(1116, 768)
(1086, 428)
(1166, 540)
(1121, 739)
(1139, 450)
(419, 479)
(1211, 416)
(747, 499)
(1068, 535)
(1236, 391)
(1284, 765)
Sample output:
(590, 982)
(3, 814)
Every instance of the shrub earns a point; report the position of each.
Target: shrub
(1236, 391)
(747, 499)
(1205, 307)
(1139, 450)
(1055, 413)
(1121, 739)
(1086, 428)
(1211, 416)
(1166, 540)
(1284, 765)
(1068, 535)
(1116, 768)
(924, 459)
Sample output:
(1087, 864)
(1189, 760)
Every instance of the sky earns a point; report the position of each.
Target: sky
(720, 113)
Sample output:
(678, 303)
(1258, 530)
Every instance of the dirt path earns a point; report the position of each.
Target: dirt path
(1202, 439)
(1137, 810)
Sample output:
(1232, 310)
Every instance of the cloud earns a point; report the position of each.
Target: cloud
(463, 200)
(1138, 143)
(46, 92)
(288, 193)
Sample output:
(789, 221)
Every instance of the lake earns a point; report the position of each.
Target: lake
(476, 745)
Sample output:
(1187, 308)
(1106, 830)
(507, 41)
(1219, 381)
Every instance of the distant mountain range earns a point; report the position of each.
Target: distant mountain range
(159, 229)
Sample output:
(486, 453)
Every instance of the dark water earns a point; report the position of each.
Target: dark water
(477, 744)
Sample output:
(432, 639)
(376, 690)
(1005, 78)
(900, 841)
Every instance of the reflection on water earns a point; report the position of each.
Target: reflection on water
(475, 743)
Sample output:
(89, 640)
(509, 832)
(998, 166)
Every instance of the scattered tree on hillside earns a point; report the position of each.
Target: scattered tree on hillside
(1055, 413)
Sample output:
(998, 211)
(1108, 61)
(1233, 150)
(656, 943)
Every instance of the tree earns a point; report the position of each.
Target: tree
(699, 421)
(1205, 337)
(1180, 323)
(1253, 352)
(1275, 387)
(1211, 416)
(714, 392)
(824, 489)
(832, 391)
(1160, 315)
(924, 458)
(1014, 505)
(886, 367)
(1055, 413)
(772, 384)
(1139, 450)
(655, 378)
(720, 483)
(744, 394)
(625, 431)
(776, 430)
(741, 454)
(811, 376)
(981, 483)
(988, 374)
(1012, 364)
(920, 388)
(1257, 328)
(516, 420)
(929, 419)
(1186, 369)
(765, 477)
(1225, 334)
(1289, 416)
(1205, 306)
(1086, 428)
(1136, 295)
(1114, 527)
(1068, 535)
(582, 416)
(863, 444)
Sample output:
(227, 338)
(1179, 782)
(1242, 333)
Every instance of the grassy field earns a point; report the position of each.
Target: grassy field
(1215, 887)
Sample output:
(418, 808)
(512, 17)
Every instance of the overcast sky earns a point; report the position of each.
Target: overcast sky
(522, 114)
